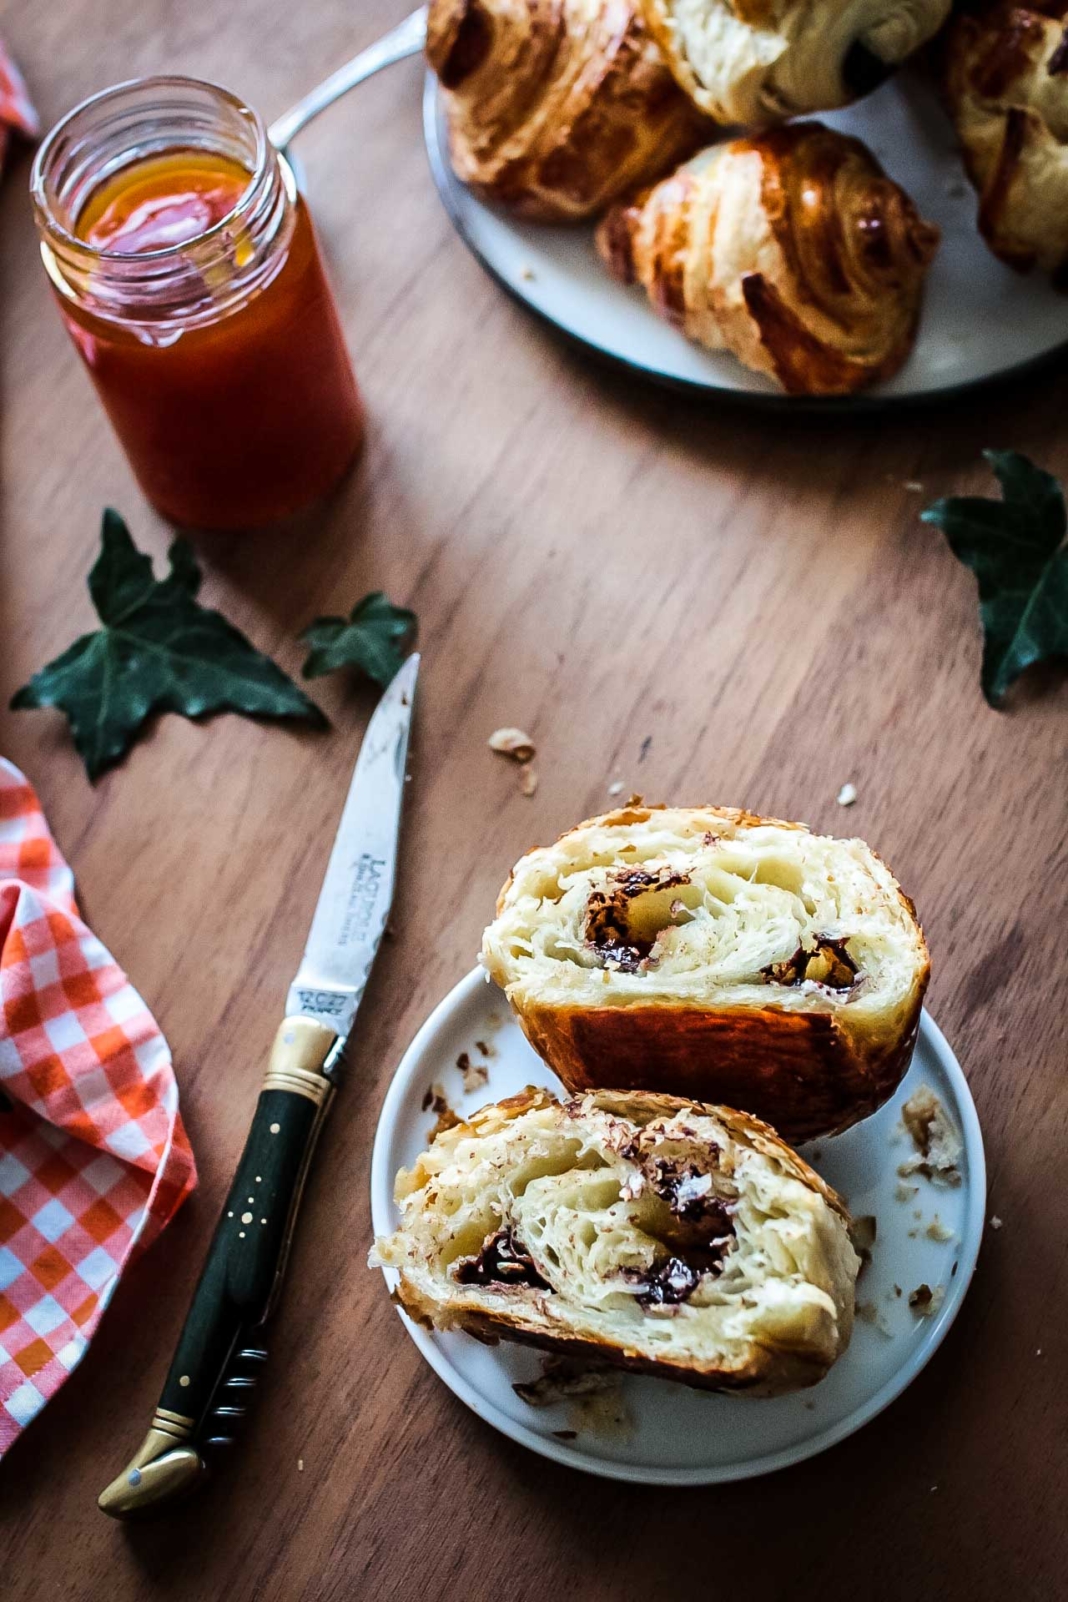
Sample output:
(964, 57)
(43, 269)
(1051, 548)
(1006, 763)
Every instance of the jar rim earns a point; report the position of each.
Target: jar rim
(46, 150)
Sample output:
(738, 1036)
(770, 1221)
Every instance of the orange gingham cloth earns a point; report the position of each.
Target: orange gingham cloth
(16, 110)
(94, 1160)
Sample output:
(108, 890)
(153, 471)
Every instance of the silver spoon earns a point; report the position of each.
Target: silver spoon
(406, 39)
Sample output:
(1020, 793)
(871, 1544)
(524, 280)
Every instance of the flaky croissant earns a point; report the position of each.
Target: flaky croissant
(792, 249)
(655, 1234)
(557, 107)
(1005, 75)
(760, 61)
(707, 952)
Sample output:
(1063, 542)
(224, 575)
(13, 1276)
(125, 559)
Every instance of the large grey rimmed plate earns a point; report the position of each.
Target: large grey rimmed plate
(684, 1437)
(981, 321)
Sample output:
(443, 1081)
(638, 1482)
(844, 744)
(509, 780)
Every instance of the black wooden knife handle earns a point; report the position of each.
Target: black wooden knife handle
(220, 1349)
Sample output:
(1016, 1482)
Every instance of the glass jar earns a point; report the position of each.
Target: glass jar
(188, 275)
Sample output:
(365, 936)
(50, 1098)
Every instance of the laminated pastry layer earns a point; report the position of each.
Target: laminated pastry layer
(756, 62)
(642, 1230)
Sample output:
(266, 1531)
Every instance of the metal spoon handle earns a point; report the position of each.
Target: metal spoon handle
(406, 39)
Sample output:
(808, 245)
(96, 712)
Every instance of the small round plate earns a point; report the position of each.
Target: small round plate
(980, 319)
(680, 1436)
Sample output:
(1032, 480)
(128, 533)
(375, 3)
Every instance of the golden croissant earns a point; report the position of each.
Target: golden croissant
(557, 107)
(707, 952)
(1005, 75)
(792, 249)
(652, 1233)
(760, 61)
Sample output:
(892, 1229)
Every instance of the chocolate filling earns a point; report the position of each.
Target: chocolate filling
(502, 1261)
(673, 1282)
(608, 928)
(826, 961)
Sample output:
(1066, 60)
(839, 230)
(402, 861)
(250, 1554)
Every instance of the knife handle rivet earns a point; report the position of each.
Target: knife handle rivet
(183, 1379)
(275, 1128)
(241, 1234)
(134, 1477)
(246, 1218)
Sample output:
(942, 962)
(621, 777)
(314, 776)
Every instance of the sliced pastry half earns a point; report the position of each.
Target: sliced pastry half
(643, 1231)
(707, 952)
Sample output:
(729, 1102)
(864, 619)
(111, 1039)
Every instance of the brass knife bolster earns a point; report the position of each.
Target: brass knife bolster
(168, 1462)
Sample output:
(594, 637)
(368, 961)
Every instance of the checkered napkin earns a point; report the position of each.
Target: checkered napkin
(16, 110)
(93, 1157)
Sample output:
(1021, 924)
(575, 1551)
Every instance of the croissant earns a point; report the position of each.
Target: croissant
(759, 61)
(557, 107)
(791, 248)
(642, 1231)
(707, 952)
(1005, 76)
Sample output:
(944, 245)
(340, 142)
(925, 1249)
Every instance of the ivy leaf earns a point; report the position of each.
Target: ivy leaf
(159, 650)
(1016, 549)
(375, 637)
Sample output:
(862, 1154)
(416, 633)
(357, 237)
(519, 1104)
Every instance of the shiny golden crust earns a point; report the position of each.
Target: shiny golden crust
(792, 249)
(777, 1316)
(758, 62)
(711, 1000)
(556, 107)
(1005, 80)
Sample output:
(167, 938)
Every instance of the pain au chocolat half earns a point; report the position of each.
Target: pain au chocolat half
(643, 1231)
(792, 249)
(710, 953)
(555, 108)
(1005, 77)
(759, 61)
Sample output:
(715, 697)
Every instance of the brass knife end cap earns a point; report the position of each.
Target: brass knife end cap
(162, 1471)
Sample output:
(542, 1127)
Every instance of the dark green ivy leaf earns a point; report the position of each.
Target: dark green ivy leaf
(1016, 549)
(375, 637)
(159, 650)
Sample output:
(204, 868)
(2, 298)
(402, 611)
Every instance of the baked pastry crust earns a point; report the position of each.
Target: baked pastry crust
(710, 953)
(792, 249)
(643, 1231)
(1005, 81)
(557, 107)
(757, 62)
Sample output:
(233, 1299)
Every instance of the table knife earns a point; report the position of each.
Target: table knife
(221, 1349)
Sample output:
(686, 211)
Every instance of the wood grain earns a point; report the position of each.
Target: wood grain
(701, 603)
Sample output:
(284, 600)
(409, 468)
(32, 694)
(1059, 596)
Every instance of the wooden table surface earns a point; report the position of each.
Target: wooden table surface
(753, 602)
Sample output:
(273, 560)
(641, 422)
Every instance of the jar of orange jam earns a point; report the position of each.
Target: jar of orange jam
(188, 275)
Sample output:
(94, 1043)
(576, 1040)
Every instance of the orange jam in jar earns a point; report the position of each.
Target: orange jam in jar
(188, 275)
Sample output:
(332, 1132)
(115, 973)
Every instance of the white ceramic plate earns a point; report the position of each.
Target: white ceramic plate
(680, 1436)
(980, 319)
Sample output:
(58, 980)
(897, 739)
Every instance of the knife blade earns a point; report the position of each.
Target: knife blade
(221, 1349)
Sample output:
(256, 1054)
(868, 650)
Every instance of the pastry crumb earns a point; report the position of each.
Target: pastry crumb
(905, 1193)
(528, 274)
(616, 787)
(914, 485)
(435, 1101)
(995, 1221)
(300, 1465)
(938, 1146)
(486, 1049)
(593, 1392)
(847, 795)
(925, 1302)
(868, 1313)
(936, 1230)
(862, 1235)
(512, 743)
(528, 781)
(475, 1074)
